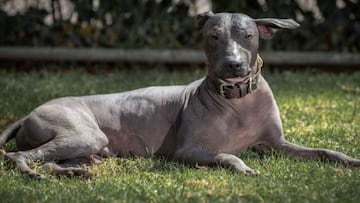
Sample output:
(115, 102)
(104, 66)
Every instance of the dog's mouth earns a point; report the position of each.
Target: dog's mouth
(234, 79)
(237, 84)
(234, 75)
(241, 73)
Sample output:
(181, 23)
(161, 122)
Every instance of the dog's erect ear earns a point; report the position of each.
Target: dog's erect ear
(202, 18)
(268, 26)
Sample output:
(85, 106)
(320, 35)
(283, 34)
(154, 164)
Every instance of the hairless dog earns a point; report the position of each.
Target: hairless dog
(204, 123)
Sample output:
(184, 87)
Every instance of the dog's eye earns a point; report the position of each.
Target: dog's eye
(214, 37)
(248, 36)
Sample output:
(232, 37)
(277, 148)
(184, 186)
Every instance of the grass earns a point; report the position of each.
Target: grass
(318, 110)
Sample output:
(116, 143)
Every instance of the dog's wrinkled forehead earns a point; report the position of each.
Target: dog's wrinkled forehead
(227, 21)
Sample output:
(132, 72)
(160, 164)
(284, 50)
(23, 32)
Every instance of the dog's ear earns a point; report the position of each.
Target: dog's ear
(268, 26)
(202, 18)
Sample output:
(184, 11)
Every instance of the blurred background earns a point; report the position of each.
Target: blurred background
(158, 25)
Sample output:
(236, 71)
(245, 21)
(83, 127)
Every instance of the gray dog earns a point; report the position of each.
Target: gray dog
(203, 123)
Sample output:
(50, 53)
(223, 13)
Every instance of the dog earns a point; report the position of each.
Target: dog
(203, 123)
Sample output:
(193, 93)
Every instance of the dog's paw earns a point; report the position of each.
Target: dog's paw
(252, 172)
(36, 176)
(248, 171)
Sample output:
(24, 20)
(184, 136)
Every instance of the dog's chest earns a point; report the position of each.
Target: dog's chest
(232, 136)
(236, 129)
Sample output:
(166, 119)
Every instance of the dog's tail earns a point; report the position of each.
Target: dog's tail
(10, 132)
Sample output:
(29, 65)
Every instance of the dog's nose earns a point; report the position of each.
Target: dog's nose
(234, 65)
(237, 68)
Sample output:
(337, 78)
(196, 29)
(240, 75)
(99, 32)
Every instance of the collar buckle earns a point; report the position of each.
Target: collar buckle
(226, 85)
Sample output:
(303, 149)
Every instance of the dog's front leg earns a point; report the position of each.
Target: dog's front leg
(297, 151)
(196, 155)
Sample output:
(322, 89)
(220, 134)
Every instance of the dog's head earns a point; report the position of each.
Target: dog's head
(232, 41)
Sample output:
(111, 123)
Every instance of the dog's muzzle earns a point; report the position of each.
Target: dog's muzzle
(240, 89)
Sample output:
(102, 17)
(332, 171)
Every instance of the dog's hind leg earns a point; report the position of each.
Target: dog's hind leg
(73, 167)
(21, 161)
(65, 169)
(61, 148)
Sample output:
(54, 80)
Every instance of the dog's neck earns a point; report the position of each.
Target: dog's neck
(239, 89)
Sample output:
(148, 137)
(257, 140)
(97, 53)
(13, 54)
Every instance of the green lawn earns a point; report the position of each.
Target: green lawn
(318, 110)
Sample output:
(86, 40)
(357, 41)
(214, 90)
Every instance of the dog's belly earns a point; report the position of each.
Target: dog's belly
(142, 140)
(125, 143)
(139, 122)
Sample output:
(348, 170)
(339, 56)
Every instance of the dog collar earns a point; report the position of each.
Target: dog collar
(240, 89)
